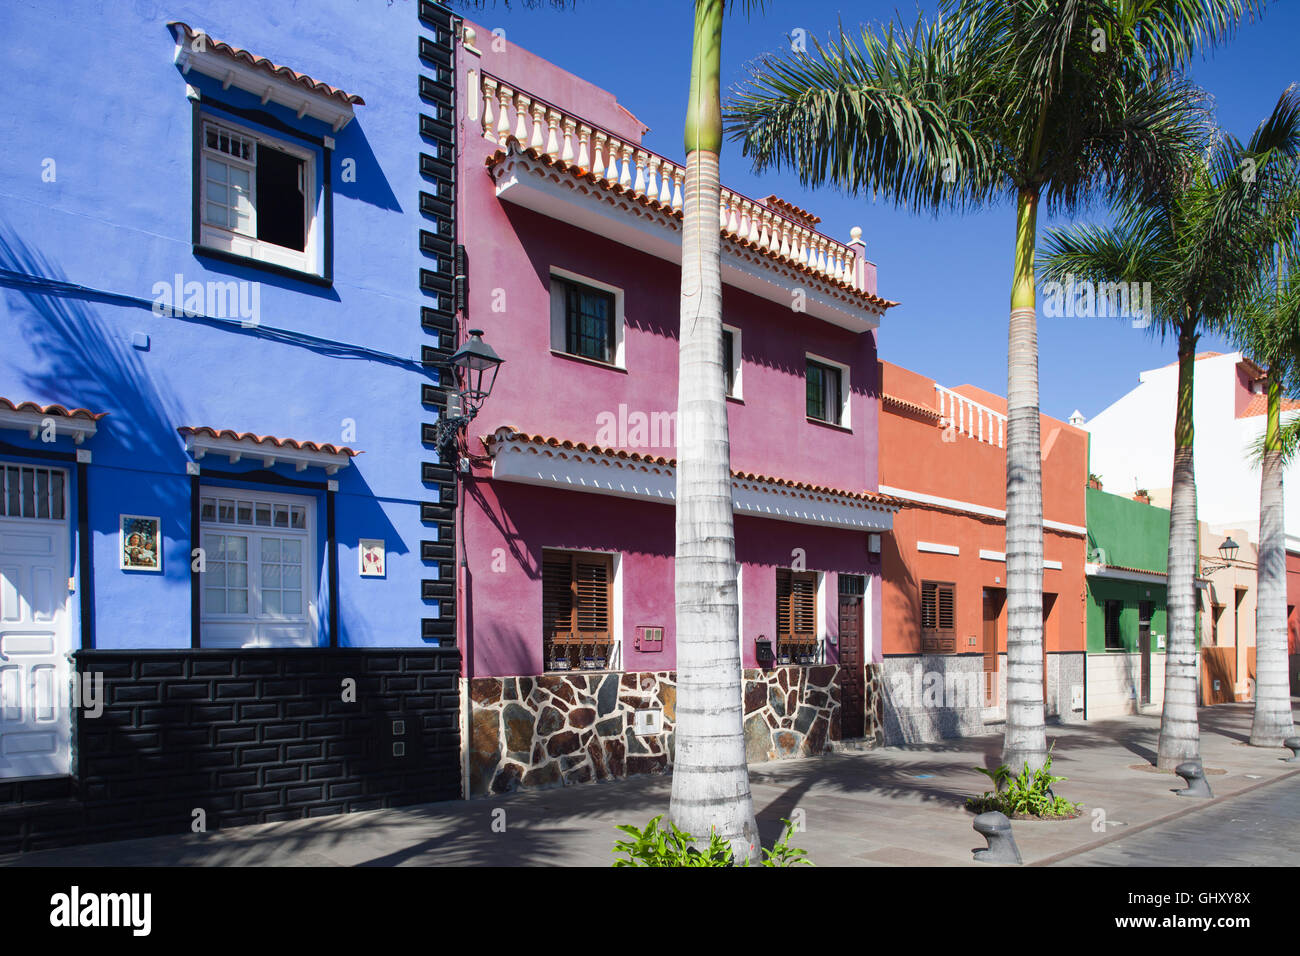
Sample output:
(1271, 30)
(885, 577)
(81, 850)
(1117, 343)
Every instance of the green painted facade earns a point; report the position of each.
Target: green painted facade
(1126, 533)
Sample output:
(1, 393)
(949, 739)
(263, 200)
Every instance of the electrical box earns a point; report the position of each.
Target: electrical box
(648, 640)
(645, 722)
(1160, 642)
(1076, 697)
(763, 651)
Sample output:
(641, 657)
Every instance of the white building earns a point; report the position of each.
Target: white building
(1132, 442)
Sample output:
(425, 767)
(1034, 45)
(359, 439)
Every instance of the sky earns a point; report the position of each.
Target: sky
(951, 275)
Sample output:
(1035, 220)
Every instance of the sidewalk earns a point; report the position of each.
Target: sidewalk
(883, 807)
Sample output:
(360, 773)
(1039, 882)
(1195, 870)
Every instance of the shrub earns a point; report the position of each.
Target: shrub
(669, 846)
(1023, 794)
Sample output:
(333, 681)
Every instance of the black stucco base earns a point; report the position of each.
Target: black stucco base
(246, 736)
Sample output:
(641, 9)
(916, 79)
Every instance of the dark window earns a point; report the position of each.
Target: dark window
(1114, 637)
(796, 616)
(577, 610)
(281, 206)
(938, 617)
(588, 321)
(825, 399)
(728, 361)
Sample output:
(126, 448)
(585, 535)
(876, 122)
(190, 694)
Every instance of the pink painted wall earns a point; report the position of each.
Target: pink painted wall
(509, 524)
(511, 251)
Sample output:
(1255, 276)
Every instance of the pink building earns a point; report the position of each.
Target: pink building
(566, 607)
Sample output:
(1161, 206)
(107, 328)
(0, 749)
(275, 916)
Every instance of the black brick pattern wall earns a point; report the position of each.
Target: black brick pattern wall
(438, 284)
(249, 736)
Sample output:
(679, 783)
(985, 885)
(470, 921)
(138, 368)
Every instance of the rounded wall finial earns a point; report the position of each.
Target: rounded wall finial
(855, 234)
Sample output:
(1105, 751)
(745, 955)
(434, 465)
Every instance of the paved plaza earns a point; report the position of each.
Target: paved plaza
(881, 807)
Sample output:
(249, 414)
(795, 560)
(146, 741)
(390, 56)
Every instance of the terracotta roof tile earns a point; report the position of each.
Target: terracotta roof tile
(1258, 405)
(267, 439)
(262, 63)
(893, 401)
(623, 454)
(58, 410)
(578, 172)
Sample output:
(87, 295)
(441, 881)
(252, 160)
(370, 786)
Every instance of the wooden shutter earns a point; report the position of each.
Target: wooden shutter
(577, 592)
(938, 617)
(796, 607)
(592, 587)
(557, 598)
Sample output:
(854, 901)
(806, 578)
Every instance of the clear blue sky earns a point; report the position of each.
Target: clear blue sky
(951, 275)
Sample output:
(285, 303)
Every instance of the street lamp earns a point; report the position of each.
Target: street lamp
(475, 365)
(1227, 551)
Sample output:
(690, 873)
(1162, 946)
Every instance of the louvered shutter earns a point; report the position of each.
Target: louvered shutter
(557, 599)
(592, 586)
(782, 604)
(938, 617)
(796, 607)
(803, 607)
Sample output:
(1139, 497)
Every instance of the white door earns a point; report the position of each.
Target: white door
(35, 636)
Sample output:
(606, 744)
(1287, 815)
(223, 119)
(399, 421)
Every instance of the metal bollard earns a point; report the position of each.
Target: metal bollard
(1292, 744)
(996, 829)
(1194, 774)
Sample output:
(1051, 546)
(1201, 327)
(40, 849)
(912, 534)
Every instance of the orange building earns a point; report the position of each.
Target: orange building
(944, 616)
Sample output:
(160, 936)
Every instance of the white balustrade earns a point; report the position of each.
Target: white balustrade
(970, 418)
(508, 113)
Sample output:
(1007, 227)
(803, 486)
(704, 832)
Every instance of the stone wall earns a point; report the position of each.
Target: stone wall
(561, 729)
(791, 712)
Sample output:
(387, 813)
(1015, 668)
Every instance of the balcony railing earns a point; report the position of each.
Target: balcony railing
(970, 418)
(508, 113)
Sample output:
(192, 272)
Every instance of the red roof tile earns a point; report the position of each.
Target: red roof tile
(58, 410)
(626, 192)
(267, 439)
(550, 441)
(262, 63)
(1258, 405)
(902, 404)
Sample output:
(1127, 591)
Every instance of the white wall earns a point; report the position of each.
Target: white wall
(1132, 445)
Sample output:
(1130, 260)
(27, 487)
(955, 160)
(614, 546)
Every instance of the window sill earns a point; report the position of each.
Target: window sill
(830, 425)
(588, 361)
(233, 258)
(739, 400)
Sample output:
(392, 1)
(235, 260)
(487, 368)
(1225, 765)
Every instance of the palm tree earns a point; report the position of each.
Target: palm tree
(710, 791)
(1199, 242)
(1267, 327)
(1049, 102)
(710, 776)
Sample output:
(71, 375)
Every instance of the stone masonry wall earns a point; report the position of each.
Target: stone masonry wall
(561, 729)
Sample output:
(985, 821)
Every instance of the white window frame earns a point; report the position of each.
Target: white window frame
(559, 337)
(254, 628)
(845, 391)
(250, 247)
(737, 389)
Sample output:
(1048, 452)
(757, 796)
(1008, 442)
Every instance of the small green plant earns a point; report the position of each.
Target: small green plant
(782, 853)
(1024, 794)
(667, 845)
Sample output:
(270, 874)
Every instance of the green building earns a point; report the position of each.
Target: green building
(1126, 570)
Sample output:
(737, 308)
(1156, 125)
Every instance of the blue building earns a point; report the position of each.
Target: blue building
(226, 565)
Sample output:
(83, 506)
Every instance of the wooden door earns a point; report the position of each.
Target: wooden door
(993, 600)
(1144, 649)
(1049, 601)
(853, 678)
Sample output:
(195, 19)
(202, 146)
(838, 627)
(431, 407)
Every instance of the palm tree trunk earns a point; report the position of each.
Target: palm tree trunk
(1273, 722)
(1025, 741)
(1180, 734)
(710, 776)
